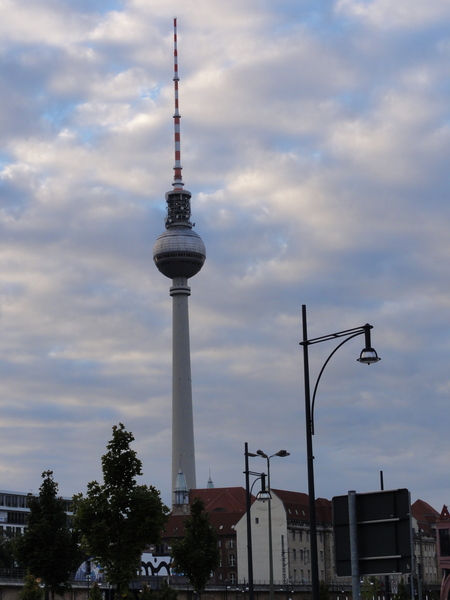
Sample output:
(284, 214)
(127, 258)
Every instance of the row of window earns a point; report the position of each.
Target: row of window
(231, 579)
(13, 500)
(19, 518)
(10, 531)
(228, 544)
(299, 535)
(303, 555)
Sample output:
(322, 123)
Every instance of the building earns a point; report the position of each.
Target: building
(443, 551)
(179, 254)
(426, 567)
(225, 507)
(14, 512)
(290, 539)
(290, 535)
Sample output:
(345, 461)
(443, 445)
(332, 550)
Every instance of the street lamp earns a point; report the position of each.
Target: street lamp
(367, 356)
(264, 494)
(282, 454)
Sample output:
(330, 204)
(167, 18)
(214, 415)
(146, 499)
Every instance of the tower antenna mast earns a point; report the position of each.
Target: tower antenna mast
(178, 180)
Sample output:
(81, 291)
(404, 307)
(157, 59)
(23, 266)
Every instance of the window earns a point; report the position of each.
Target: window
(231, 544)
(321, 556)
(301, 555)
(294, 554)
(232, 577)
(219, 543)
(301, 535)
(444, 541)
(293, 536)
(256, 520)
(232, 560)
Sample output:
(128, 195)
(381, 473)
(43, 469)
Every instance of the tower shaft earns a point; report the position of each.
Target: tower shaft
(183, 454)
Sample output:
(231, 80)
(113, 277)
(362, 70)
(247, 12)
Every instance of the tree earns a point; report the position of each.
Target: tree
(117, 520)
(6, 552)
(324, 591)
(197, 554)
(146, 593)
(402, 593)
(95, 592)
(370, 588)
(48, 548)
(166, 592)
(31, 589)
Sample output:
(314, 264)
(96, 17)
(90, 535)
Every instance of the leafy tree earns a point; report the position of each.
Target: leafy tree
(95, 592)
(402, 591)
(117, 520)
(197, 554)
(370, 588)
(6, 552)
(32, 589)
(48, 548)
(324, 591)
(166, 592)
(146, 593)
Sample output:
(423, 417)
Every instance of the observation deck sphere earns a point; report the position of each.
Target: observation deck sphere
(179, 252)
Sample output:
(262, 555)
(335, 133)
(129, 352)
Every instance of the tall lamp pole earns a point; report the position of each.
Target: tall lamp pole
(262, 495)
(282, 454)
(367, 356)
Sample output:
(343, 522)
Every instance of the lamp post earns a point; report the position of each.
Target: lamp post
(262, 495)
(367, 356)
(282, 454)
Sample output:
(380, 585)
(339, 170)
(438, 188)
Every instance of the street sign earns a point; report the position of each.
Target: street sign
(384, 533)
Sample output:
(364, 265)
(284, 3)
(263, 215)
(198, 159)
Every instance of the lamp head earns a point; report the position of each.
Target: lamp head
(261, 453)
(368, 354)
(282, 453)
(264, 494)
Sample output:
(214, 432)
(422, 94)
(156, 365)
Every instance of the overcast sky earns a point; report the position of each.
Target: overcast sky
(316, 144)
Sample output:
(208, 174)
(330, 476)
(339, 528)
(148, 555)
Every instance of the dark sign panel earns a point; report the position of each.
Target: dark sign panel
(384, 533)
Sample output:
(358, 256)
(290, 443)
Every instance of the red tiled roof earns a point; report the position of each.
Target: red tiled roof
(225, 507)
(229, 500)
(297, 506)
(424, 514)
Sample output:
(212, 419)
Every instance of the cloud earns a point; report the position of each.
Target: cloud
(314, 141)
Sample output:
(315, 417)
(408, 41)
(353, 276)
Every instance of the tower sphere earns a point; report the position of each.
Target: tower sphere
(179, 252)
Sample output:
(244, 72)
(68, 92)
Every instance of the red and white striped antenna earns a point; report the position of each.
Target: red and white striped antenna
(178, 181)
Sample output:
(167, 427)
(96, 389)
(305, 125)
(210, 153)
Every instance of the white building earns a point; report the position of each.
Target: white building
(290, 539)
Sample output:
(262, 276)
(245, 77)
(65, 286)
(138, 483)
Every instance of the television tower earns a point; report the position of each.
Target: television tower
(179, 253)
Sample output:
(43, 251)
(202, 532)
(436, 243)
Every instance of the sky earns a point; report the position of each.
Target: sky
(315, 137)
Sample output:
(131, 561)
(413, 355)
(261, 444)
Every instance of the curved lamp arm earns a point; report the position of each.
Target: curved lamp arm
(320, 375)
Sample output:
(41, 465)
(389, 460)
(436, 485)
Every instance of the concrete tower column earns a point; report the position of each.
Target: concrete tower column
(183, 454)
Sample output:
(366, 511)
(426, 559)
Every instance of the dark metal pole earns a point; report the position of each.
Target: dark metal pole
(310, 464)
(269, 508)
(354, 556)
(249, 526)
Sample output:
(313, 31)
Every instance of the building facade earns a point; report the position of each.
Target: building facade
(290, 539)
(14, 512)
(426, 564)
